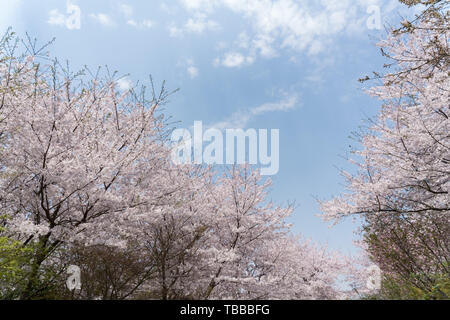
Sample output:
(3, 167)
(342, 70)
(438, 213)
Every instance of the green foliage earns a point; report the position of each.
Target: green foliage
(393, 288)
(16, 264)
(14, 259)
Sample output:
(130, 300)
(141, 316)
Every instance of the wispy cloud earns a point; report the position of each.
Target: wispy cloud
(240, 119)
(127, 11)
(201, 5)
(147, 23)
(200, 24)
(297, 25)
(190, 67)
(144, 24)
(233, 60)
(195, 25)
(103, 18)
(192, 71)
(284, 105)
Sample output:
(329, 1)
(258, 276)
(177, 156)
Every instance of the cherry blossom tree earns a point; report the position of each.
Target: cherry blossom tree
(241, 248)
(403, 181)
(77, 155)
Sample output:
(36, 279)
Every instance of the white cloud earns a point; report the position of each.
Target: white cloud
(234, 60)
(284, 105)
(127, 11)
(316, 47)
(103, 19)
(144, 24)
(200, 24)
(197, 24)
(192, 71)
(240, 119)
(147, 23)
(124, 84)
(200, 5)
(264, 44)
(297, 25)
(133, 23)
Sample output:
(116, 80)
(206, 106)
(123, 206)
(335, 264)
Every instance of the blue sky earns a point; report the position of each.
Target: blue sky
(298, 59)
